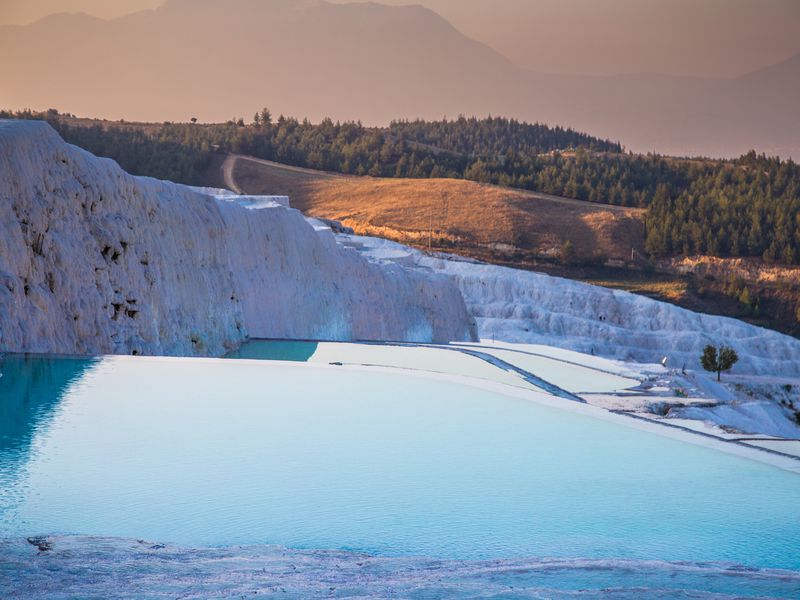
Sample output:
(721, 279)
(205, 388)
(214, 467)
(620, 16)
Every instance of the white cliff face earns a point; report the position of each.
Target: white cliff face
(532, 308)
(93, 260)
(520, 306)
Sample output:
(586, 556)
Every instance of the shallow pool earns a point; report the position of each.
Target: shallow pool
(281, 350)
(419, 358)
(221, 452)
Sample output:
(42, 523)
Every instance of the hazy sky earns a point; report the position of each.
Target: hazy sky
(20, 12)
(687, 37)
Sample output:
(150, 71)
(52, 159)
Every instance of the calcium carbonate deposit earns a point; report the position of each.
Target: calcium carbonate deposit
(94, 260)
(532, 308)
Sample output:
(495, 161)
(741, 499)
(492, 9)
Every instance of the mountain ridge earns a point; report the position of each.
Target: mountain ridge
(374, 63)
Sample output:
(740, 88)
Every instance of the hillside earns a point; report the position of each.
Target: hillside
(726, 209)
(213, 60)
(470, 218)
(738, 208)
(527, 230)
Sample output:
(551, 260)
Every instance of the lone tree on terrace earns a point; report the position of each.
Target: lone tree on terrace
(716, 360)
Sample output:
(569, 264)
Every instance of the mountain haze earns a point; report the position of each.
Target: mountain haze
(710, 38)
(369, 62)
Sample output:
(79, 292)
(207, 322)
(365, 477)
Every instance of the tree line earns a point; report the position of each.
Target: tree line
(748, 207)
(744, 207)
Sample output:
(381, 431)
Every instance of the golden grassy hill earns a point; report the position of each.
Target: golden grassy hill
(471, 218)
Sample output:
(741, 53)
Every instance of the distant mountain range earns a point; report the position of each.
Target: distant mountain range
(216, 60)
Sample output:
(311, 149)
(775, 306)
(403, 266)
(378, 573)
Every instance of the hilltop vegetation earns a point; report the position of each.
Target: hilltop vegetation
(746, 207)
(750, 207)
(465, 148)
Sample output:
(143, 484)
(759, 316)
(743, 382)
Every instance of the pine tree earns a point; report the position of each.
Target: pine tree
(716, 360)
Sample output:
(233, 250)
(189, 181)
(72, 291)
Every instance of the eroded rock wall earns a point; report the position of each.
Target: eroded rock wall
(94, 260)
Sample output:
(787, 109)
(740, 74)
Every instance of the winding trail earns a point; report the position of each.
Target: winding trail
(227, 173)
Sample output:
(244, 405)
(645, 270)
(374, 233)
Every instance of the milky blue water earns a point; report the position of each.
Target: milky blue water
(283, 350)
(218, 453)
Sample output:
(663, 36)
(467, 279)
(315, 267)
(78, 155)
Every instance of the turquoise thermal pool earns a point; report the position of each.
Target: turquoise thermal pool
(215, 453)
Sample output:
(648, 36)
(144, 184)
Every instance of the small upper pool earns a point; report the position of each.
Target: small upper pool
(224, 452)
(280, 350)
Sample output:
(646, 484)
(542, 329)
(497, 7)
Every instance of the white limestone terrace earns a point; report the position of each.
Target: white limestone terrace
(557, 328)
(524, 307)
(248, 201)
(94, 261)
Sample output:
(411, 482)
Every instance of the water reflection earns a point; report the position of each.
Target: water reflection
(31, 388)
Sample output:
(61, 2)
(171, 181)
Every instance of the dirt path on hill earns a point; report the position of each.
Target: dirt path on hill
(227, 173)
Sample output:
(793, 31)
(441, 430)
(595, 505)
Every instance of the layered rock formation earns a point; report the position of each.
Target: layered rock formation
(525, 307)
(93, 260)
